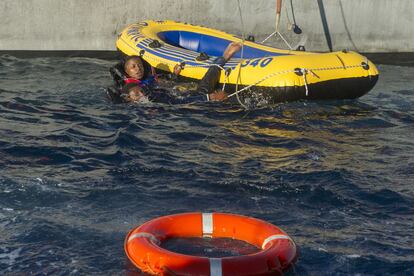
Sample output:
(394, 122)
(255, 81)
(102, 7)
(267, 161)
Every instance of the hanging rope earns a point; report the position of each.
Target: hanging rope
(305, 81)
(226, 79)
(241, 55)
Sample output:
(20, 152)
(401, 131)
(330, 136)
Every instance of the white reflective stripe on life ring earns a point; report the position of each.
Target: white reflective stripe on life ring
(207, 220)
(215, 267)
(277, 237)
(149, 236)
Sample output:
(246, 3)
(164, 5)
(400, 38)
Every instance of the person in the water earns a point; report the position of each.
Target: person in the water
(136, 72)
(138, 86)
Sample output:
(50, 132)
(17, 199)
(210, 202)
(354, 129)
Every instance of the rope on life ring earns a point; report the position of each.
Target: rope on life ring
(277, 250)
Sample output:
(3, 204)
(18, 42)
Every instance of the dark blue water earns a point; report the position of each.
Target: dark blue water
(77, 172)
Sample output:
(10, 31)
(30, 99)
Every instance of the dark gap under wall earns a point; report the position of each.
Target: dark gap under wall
(402, 59)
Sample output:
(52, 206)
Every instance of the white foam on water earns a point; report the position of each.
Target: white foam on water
(10, 258)
(353, 256)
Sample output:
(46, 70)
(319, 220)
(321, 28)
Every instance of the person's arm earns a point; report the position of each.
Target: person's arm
(201, 97)
(208, 83)
(164, 96)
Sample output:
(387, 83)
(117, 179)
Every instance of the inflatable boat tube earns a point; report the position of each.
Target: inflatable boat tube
(278, 75)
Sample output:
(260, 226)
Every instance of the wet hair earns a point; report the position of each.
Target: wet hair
(127, 58)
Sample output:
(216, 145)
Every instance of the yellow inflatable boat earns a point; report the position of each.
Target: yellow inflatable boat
(277, 75)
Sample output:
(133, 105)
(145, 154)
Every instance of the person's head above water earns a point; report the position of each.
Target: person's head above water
(134, 67)
(133, 93)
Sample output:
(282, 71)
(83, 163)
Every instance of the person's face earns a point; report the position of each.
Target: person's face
(134, 68)
(135, 94)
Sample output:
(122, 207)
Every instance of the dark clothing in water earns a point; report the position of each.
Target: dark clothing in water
(206, 86)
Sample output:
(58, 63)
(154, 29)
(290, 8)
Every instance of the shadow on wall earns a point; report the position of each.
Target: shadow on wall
(354, 47)
(326, 26)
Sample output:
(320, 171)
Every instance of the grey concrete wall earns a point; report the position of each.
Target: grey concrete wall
(362, 25)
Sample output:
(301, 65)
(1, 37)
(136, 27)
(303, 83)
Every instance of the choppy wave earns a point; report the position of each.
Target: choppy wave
(77, 172)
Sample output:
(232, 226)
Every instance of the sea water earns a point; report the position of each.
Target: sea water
(78, 172)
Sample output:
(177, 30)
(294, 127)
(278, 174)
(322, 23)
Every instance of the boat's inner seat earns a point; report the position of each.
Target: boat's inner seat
(212, 46)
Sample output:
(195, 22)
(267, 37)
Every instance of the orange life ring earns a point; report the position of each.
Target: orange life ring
(142, 245)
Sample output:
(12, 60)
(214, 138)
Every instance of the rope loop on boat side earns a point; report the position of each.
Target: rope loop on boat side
(302, 72)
